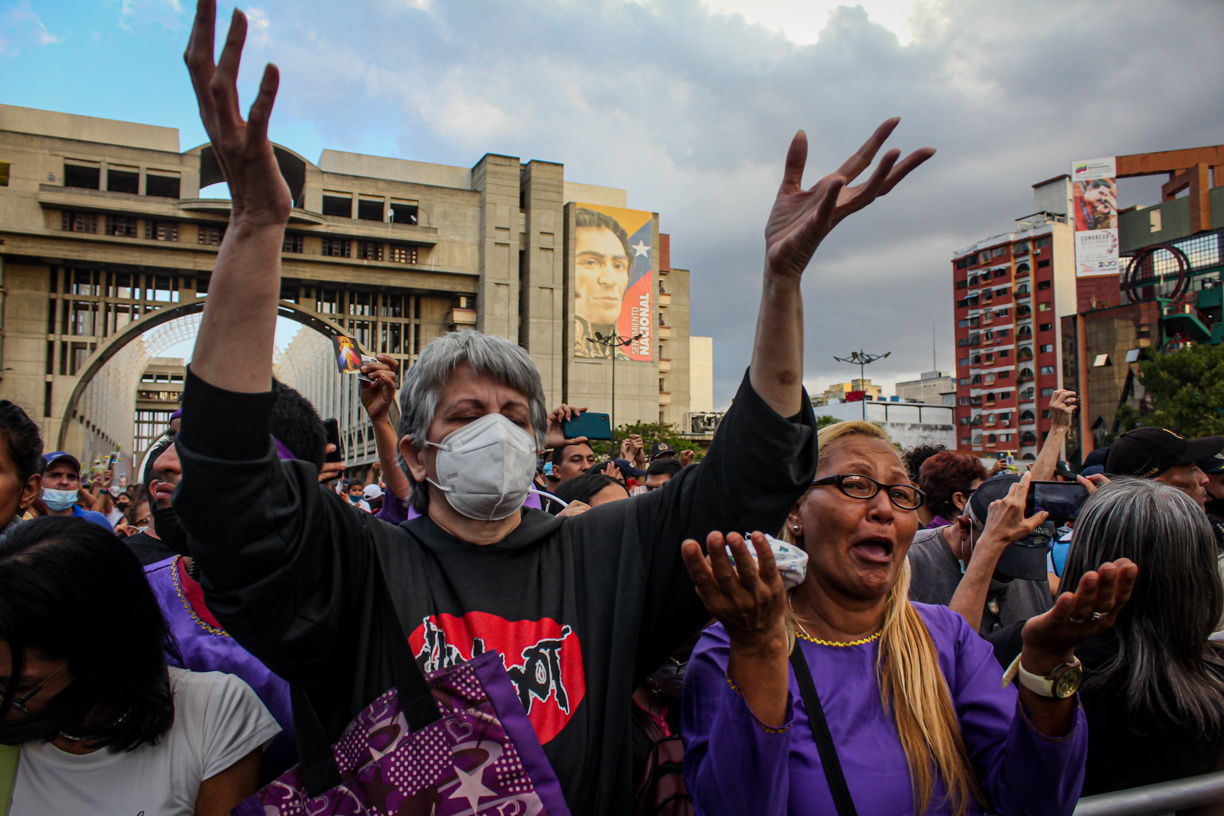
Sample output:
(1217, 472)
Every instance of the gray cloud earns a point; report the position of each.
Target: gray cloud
(692, 111)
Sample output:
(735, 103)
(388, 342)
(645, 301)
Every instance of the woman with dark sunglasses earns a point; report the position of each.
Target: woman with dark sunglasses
(918, 716)
(89, 710)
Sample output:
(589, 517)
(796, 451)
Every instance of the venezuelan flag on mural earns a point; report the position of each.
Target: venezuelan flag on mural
(637, 297)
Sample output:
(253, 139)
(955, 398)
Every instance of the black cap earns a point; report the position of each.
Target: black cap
(1026, 559)
(991, 490)
(627, 468)
(1096, 456)
(1148, 452)
(1212, 464)
(661, 449)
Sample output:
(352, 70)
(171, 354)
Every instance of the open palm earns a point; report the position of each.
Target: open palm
(800, 218)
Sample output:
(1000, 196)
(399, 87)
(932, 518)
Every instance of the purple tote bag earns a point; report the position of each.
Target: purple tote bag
(455, 743)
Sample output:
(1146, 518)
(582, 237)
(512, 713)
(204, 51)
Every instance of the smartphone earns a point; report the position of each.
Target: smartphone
(591, 424)
(332, 427)
(112, 461)
(1062, 500)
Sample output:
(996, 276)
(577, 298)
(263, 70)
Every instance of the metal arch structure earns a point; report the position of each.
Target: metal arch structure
(151, 321)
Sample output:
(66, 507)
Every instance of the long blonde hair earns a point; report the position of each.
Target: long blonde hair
(912, 686)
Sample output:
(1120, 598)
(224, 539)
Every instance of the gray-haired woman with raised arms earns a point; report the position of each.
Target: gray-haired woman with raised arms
(580, 608)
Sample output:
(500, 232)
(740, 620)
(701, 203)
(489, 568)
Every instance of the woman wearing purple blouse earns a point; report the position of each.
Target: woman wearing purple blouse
(921, 717)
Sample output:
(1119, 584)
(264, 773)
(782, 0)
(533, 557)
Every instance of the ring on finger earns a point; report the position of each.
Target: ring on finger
(1074, 620)
(1096, 616)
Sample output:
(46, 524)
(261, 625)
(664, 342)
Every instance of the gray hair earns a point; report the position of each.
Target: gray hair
(1168, 670)
(487, 356)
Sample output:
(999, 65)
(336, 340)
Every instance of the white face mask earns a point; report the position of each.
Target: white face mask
(59, 499)
(486, 467)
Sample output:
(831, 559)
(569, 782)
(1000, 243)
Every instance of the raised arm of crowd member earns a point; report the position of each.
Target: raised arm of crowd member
(1062, 409)
(376, 397)
(1005, 525)
(913, 698)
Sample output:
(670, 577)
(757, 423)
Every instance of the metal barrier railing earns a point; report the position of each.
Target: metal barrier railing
(1156, 800)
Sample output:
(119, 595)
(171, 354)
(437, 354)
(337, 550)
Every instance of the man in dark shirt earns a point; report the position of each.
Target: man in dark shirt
(981, 566)
(580, 609)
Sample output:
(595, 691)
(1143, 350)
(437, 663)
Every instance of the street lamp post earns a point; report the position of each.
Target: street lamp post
(862, 359)
(613, 342)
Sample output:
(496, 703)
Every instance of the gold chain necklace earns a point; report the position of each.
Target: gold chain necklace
(803, 633)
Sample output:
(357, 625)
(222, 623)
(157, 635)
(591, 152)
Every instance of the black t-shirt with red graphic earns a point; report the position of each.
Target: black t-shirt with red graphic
(580, 609)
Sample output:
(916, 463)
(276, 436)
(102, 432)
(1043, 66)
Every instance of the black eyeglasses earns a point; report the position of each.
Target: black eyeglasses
(905, 497)
(20, 701)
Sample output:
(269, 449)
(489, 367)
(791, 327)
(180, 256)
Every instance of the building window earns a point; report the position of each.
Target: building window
(1042, 243)
(1047, 348)
(1047, 369)
(370, 250)
(1003, 333)
(1043, 307)
(1005, 375)
(962, 263)
(402, 213)
(403, 253)
(336, 247)
(162, 186)
(1046, 327)
(1045, 414)
(122, 181)
(1004, 354)
(997, 252)
(1000, 272)
(369, 210)
(161, 231)
(80, 222)
(1042, 285)
(210, 236)
(1047, 392)
(338, 207)
(1043, 264)
(962, 284)
(121, 225)
(86, 178)
(1000, 312)
(1020, 248)
(293, 242)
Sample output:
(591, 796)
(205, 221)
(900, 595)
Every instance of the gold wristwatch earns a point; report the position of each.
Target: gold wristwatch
(1061, 683)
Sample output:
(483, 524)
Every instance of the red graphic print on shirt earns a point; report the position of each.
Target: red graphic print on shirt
(543, 659)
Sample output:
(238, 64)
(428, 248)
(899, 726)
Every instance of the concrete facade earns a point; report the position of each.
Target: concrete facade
(908, 423)
(104, 233)
(932, 387)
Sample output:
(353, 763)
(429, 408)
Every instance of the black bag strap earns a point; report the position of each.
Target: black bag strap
(824, 740)
(320, 773)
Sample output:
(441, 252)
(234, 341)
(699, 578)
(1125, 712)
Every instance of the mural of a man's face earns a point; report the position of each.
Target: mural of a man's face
(602, 274)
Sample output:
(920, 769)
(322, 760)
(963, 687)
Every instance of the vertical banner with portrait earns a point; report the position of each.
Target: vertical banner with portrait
(613, 282)
(1095, 207)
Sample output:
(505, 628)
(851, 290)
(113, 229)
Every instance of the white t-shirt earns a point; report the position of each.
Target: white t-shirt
(218, 720)
(114, 516)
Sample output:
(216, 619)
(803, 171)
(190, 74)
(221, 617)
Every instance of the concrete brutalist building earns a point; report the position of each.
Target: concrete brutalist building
(105, 238)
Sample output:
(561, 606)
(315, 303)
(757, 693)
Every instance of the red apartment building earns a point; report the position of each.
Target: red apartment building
(1010, 291)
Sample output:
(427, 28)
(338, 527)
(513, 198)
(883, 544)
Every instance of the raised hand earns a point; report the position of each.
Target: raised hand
(747, 598)
(801, 219)
(378, 394)
(556, 427)
(1051, 638)
(1062, 408)
(330, 470)
(260, 196)
(1005, 519)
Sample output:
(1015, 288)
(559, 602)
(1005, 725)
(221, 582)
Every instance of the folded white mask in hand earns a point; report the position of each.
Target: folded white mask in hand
(790, 560)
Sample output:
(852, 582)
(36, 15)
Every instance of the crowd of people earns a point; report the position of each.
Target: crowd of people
(799, 621)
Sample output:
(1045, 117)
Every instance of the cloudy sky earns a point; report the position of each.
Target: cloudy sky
(690, 106)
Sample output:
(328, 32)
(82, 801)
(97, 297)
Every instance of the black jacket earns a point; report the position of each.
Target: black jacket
(580, 609)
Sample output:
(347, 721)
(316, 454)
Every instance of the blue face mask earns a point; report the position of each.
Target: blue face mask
(59, 499)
